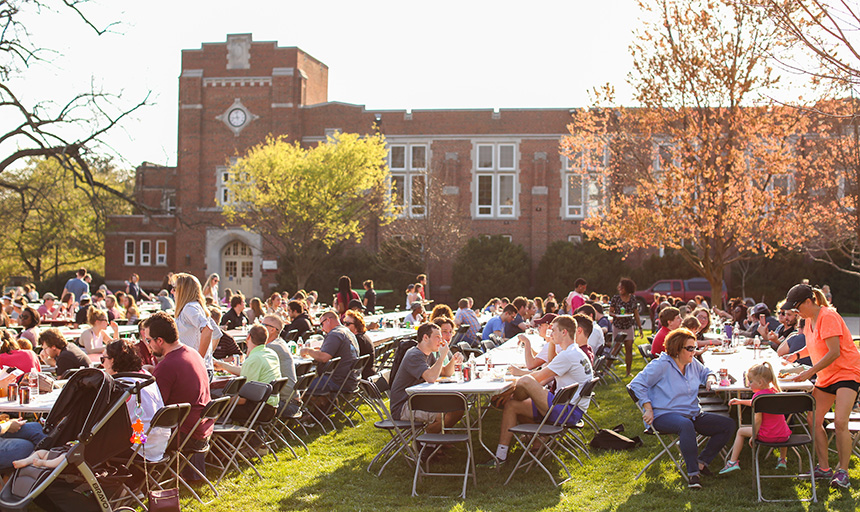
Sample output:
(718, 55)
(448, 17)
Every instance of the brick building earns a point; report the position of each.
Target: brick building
(502, 169)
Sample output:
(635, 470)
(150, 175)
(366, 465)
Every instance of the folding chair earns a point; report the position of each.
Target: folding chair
(304, 367)
(853, 427)
(667, 448)
(550, 431)
(440, 403)
(211, 412)
(617, 346)
(168, 417)
(268, 430)
(345, 396)
(572, 433)
(496, 339)
(224, 435)
(460, 335)
(488, 345)
(645, 352)
(325, 372)
(291, 335)
(401, 438)
(231, 390)
(784, 403)
(467, 349)
(285, 417)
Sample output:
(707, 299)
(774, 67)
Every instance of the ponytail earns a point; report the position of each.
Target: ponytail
(764, 372)
(820, 299)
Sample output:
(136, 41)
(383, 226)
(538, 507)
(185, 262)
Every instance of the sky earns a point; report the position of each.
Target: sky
(384, 55)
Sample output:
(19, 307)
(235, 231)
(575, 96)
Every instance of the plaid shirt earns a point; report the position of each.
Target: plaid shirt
(467, 316)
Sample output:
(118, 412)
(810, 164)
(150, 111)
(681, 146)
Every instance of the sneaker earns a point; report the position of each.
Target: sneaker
(706, 471)
(781, 463)
(492, 463)
(840, 479)
(730, 466)
(694, 483)
(820, 474)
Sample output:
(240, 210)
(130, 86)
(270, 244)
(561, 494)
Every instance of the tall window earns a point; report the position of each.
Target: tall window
(408, 165)
(223, 176)
(129, 252)
(496, 180)
(583, 193)
(161, 252)
(145, 252)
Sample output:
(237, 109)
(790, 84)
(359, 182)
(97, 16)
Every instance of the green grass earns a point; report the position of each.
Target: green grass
(334, 478)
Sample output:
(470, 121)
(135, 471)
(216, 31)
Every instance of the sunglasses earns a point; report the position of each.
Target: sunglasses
(103, 358)
(690, 348)
(349, 323)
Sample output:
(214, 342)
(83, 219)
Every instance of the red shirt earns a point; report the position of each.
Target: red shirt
(658, 347)
(182, 378)
(24, 360)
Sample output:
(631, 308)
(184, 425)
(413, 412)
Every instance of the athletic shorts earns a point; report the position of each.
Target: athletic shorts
(831, 389)
(559, 412)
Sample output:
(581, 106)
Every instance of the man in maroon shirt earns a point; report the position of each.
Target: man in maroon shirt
(181, 374)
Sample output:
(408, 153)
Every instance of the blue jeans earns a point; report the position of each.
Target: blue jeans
(18, 445)
(719, 428)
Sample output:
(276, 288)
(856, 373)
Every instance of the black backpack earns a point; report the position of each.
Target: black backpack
(399, 352)
(606, 439)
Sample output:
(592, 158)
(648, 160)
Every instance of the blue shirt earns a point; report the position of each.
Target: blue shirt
(77, 287)
(493, 325)
(662, 384)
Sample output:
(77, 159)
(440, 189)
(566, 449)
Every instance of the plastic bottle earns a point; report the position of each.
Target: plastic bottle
(33, 378)
(473, 369)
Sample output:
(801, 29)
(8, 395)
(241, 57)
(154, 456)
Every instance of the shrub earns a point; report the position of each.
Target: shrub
(564, 262)
(488, 267)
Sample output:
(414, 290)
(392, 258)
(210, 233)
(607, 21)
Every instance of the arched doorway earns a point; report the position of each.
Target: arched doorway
(237, 268)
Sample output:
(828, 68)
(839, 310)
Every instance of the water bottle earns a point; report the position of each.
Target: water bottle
(473, 373)
(33, 377)
(489, 362)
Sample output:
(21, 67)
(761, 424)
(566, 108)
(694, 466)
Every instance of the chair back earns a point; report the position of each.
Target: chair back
(215, 408)
(488, 345)
(329, 367)
(632, 395)
(291, 335)
(616, 349)
(374, 399)
(464, 347)
(496, 339)
(305, 367)
(233, 386)
(645, 351)
(619, 338)
(564, 395)
(783, 403)
(170, 416)
(438, 402)
(460, 334)
(278, 385)
(254, 391)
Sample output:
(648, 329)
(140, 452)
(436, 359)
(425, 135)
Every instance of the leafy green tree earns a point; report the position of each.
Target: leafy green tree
(304, 201)
(51, 223)
(488, 267)
(564, 262)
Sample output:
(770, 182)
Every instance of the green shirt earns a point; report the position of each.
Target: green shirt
(263, 365)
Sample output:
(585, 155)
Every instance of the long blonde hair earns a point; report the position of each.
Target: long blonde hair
(207, 289)
(187, 290)
(763, 373)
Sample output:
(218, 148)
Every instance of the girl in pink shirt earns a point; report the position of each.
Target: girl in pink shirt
(772, 428)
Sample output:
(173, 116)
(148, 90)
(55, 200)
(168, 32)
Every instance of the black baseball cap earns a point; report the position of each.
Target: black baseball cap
(798, 294)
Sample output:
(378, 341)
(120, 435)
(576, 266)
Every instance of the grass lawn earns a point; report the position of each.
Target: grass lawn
(333, 478)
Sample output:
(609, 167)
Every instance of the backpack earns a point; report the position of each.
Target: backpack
(606, 439)
(399, 352)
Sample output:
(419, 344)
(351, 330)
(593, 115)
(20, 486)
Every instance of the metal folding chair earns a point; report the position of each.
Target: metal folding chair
(401, 438)
(212, 411)
(460, 335)
(169, 417)
(224, 435)
(326, 369)
(440, 403)
(344, 396)
(488, 344)
(645, 352)
(784, 403)
(551, 434)
(667, 447)
(285, 417)
(467, 349)
(572, 434)
(268, 430)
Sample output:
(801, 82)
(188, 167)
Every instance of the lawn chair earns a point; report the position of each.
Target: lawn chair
(784, 403)
(551, 434)
(401, 438)
(440, 403)
(667, 446)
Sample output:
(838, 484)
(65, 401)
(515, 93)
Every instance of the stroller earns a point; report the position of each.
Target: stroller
(88, 423)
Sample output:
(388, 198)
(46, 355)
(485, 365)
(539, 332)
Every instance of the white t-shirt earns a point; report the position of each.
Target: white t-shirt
(190, 322)
(596, 339)
(150, 402)
(543, 353)
(572, 366)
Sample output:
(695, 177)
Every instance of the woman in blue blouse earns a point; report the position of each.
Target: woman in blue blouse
(668, 389)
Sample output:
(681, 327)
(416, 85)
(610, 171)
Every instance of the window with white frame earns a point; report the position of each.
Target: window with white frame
(145, 252)
(408, 166)
(574, 239)
(161, 252)
(223, 176)
(129, 252)
(496, 180)
(583, 193)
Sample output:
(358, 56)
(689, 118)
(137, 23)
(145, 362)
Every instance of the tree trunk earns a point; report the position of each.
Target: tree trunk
(716, 280)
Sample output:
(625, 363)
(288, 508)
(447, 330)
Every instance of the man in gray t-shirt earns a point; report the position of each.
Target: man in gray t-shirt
(419, 365)
(338, 342)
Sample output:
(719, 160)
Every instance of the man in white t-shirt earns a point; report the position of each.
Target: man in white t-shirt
(596, 338)
(567, 364)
